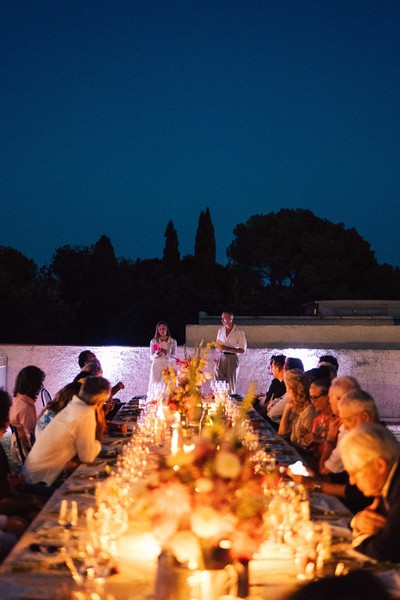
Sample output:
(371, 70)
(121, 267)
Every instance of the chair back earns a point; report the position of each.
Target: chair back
(45, 397)
(18, 443)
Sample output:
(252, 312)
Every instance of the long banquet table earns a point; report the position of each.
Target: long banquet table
(30, 572)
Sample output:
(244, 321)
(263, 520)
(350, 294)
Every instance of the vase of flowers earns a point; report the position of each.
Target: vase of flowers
(183, 384)
(174, 581)
(206, 509)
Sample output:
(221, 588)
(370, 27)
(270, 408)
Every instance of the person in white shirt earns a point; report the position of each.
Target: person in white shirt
(163, 349)
(232, 342)
(74, 431)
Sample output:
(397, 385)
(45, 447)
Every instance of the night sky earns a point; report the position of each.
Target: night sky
(117, 116)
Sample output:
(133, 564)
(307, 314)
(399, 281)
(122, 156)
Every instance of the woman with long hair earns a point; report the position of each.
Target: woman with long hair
(162, 348)
(60, 401)
(298, 415)
(28, 384)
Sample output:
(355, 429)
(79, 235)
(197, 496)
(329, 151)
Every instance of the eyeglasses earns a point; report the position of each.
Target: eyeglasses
(312, 398)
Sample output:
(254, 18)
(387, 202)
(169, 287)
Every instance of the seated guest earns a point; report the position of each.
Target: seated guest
(16, 509)
(356, 585)
(11, 528)
(75, 430)
(357, 407)
(272, 411)
(92, 368)
(321, 372)
(28, 384)
(275, 408)
(60, 401)
(299, 414)
(277, 387)
(84, 357)
(293, 363)
(331, 363)
(371, 454)
(319, 390)
(330, 461)
(87, 356)
(363, 411)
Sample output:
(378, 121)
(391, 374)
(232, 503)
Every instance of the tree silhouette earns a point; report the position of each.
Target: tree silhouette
(205, 247)
(307, 256)
(15, 268)
(205, 252)
(171, 255)
(31, 310)
(89, 281)
(277, 262)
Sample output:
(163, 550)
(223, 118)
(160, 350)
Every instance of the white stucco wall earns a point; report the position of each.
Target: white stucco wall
(377, 370)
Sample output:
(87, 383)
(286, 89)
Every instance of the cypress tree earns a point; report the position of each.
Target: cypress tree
(205, 248)
(171, 255)
(205, 252)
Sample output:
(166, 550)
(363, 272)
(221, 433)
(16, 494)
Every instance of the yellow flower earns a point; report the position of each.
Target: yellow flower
(203, 485)
(227, 465)
(180, 459)
(184, 382)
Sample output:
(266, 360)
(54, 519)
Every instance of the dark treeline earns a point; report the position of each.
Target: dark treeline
(277, 262)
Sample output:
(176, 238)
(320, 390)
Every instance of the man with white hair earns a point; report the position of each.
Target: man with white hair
(357, 407)
(354, 408)
(371, 454)
(330, 461)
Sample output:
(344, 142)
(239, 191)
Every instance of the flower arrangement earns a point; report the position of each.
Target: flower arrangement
(205, 506)
(184, 380)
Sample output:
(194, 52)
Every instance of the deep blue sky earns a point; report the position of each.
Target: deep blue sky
(117, 116)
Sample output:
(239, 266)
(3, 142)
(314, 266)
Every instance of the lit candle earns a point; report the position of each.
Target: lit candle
(176, 440)
(206, 587)
(62, 517)
(89, 517)
(74, 513)
(188, 448)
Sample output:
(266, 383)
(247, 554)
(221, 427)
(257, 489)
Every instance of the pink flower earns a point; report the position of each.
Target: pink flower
(171, 500)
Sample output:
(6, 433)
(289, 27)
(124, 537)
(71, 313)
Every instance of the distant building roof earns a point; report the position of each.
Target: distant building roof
(353, 308)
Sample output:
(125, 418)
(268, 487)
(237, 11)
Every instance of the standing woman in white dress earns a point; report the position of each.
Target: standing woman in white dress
(162, 348)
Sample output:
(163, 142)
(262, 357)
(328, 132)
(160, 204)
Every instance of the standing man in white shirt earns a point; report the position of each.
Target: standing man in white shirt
(232, 342)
